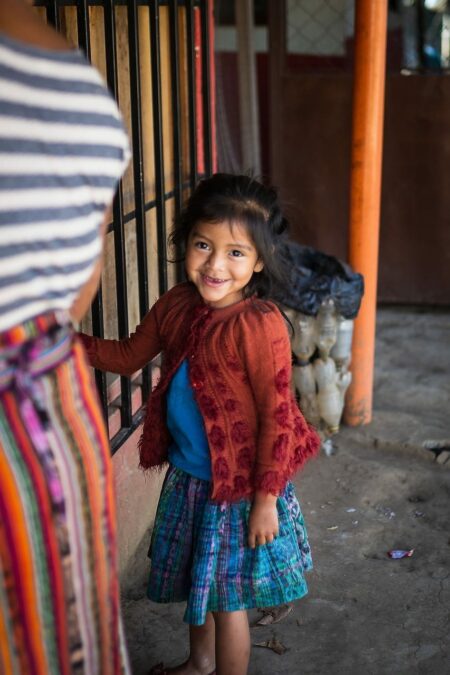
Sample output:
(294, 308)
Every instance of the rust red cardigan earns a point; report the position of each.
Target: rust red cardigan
(240, 370)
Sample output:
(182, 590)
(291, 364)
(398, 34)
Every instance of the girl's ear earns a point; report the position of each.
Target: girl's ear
(259, 266)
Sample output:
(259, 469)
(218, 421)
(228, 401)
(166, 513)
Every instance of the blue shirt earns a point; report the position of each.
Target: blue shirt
(189, 451)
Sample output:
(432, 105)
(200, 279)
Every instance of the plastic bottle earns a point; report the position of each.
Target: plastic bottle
(329, 399)
(304, 379)
(303, 341)
(326, 326)
(343, 380)
(310, 408)
(306, 387)
(342, 348)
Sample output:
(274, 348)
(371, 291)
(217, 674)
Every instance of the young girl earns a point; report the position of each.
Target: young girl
(229, 534)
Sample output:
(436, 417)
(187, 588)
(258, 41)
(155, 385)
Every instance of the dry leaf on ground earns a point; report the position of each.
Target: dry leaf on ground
(273, 614)
(274, 644)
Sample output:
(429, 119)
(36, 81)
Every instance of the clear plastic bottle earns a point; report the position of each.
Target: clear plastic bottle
(326, 327)
(329, 399)
(309, 406)
(343, 381)
(304, 339)
(342, 348)
(304, 379)
(306, 386)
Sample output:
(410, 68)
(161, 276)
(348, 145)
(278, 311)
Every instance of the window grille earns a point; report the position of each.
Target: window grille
(155, 58)
(320, 35)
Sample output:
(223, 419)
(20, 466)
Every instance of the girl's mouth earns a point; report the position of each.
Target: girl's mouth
(212, 281)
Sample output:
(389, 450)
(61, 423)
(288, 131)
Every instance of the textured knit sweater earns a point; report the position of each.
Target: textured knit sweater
(240, 370)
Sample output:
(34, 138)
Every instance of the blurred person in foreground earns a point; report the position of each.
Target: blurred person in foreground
(63, 149)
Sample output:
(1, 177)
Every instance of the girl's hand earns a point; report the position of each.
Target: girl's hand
(263, 521)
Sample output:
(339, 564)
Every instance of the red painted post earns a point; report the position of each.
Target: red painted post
(199, 88)
(212, 86)
(199, 91)
(366, 158)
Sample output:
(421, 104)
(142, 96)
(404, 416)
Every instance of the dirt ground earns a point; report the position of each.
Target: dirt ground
(382, 490)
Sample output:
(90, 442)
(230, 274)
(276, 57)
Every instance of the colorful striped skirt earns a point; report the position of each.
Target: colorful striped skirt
(59, 595)
(199, 552)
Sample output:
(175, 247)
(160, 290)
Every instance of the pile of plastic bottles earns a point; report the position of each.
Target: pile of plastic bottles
(322, 348)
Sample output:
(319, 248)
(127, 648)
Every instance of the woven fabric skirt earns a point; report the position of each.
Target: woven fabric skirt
(59, 595)
(199, 552)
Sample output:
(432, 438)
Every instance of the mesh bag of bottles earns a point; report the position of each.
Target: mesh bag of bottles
(321, 297)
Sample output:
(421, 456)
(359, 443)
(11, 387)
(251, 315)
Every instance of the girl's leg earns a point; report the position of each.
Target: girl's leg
(202, 651)
(232, 642)
(202, 646)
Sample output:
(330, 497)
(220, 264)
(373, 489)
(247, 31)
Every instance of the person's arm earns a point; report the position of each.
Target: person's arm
(19, 21)
(132, 353)
(126, 356)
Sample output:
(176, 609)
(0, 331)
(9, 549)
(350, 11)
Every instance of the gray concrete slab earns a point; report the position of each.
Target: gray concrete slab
(365, 612)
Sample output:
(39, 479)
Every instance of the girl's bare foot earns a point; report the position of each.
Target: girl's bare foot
(202, 652)
(186, 668)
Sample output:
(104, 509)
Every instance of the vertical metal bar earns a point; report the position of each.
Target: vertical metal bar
(97, 304)
(175, 80)
(84, 40)
(53, 13)
(176, 106)
(191, 94)
(204, 5)
(97, 330)
(138, 169)
(118, 224)
(158, 145)
(110, 47)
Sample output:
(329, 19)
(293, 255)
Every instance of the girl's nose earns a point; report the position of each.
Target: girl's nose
(216, 260)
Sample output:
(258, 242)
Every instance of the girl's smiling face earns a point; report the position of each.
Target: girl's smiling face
(220, 260)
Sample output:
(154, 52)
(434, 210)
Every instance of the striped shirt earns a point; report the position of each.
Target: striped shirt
(63, 149)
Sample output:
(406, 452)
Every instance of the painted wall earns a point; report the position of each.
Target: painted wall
(305, 107)
(312, 149)
(310, 164)
(136, 498)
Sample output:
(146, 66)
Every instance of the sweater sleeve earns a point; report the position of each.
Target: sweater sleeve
(284, 438)
(128, 355)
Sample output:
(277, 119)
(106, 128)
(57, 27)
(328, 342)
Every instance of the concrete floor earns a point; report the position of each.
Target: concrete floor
(365, 613)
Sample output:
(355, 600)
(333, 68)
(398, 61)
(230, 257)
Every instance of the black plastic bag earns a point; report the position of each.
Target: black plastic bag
(312, 276)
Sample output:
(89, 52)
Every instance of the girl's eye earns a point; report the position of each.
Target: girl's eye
(201, 244)
(236, 254)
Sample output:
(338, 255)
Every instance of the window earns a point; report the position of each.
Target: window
(155, 58)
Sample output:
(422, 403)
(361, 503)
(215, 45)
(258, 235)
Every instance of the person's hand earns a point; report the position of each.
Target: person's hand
(263, 520)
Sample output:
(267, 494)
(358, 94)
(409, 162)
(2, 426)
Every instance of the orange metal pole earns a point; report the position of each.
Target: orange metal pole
(367, 141)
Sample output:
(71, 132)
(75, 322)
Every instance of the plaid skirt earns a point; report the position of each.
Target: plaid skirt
(199, 552)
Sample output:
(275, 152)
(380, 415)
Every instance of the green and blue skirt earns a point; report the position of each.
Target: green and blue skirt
(199, 552)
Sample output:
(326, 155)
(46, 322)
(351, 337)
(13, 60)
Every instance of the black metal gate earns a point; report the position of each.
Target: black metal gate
(185, 49)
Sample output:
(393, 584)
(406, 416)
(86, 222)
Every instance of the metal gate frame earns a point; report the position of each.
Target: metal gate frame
(199, 33)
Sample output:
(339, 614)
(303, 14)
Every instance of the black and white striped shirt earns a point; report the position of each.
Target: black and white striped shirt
(63, 149)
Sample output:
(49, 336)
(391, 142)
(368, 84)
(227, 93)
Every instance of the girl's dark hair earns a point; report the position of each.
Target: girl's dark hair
(229, 198)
